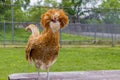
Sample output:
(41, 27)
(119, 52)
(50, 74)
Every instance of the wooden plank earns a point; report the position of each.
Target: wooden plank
(83, 75)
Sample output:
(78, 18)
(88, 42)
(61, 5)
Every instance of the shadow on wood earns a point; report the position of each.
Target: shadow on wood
(83, 75)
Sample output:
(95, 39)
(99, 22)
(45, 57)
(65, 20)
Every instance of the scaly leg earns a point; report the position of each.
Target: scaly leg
(48, 78)
(38, 74)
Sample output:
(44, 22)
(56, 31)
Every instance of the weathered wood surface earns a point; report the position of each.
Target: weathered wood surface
(83, 75)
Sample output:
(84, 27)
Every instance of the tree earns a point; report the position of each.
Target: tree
(52, 3)
(74, 8)
(110, 4)
(111, 11)
(38, 9)
(77, 8)
(6, 5)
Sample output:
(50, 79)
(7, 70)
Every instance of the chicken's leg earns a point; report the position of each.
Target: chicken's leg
(38, 74)
(48, 74)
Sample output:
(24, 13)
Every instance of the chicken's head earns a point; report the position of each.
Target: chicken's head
(54, 18)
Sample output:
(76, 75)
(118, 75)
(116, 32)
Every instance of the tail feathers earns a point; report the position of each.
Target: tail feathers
(28, 56)
(29, 59)
(32, 28)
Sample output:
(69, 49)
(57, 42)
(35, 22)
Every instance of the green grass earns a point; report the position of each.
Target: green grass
(21, 34)
(73, 37)
(21, 37)
(12, 60)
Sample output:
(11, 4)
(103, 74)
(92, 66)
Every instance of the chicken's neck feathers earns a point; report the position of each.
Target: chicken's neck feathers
(49, 36)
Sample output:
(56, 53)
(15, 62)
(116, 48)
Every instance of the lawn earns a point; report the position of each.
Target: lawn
(73, 37)
(12, 60)
(21, 35)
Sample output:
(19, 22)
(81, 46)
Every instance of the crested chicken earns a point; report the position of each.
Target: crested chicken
(42, 48)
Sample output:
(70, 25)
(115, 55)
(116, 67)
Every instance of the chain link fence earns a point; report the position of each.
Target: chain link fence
(95, 26)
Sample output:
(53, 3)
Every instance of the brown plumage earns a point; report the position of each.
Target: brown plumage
(43, 48)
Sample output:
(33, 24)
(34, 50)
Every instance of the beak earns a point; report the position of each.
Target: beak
(54, 20)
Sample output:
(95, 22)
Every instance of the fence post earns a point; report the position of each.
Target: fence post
(60, 38)
(4, 34)
(112, 35)
(95, 33)
(95, 27)
(12, 14)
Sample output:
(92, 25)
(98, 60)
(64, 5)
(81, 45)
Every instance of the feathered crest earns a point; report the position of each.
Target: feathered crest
(48, 16)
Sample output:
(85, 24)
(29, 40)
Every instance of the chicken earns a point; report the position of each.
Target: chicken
(43, 48)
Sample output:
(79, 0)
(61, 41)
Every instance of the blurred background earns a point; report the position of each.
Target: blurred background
(94, 26)
(91, 22)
